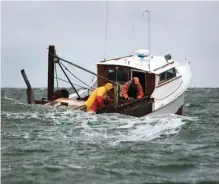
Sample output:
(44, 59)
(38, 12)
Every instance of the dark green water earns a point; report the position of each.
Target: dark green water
(48, 145)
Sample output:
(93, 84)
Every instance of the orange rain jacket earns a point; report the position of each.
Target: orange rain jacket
(125, 88)
(97, 98)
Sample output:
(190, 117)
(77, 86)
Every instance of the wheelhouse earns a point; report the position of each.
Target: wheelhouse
(122, 74)
(149, 80)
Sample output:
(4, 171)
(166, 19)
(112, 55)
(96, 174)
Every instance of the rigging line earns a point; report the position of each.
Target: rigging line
(69, 80)
(106, 27)
(93, 78)
(73, 64)
(81, 87)
(56, 77)
(76, 76)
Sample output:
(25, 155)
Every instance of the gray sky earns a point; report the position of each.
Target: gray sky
(77, 29)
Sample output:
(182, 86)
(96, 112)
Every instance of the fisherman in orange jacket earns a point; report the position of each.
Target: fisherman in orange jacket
(132, 89)
(98, 97)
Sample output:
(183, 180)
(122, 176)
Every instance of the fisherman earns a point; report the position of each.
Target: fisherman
(98, 98)
(132, 89)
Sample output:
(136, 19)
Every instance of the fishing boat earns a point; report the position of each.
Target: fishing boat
(164, 81)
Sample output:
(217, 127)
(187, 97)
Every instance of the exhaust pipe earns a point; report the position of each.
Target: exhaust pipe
(29, 91)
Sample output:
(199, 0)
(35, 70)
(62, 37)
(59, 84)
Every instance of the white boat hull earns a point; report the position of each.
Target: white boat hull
(171, 108)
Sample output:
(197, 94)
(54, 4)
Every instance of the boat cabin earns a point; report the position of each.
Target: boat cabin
(122, 74)
(120, 70)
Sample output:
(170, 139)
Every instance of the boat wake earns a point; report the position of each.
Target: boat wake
(101, 129)
(114, 129)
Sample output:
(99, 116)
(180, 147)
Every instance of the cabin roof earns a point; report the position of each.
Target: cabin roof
(158, 64)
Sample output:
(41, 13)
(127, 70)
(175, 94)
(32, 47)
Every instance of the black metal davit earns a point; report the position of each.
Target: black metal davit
(53, 59)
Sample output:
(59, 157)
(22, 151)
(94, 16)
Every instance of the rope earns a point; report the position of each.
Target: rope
(81, 87)
(69, 80)
(106, 27)
(83, 69)
(76, 76)
(93, 78)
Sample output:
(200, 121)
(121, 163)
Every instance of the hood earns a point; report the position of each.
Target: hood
(136, 79)
(108, 86)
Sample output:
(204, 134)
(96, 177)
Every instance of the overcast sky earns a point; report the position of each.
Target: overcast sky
(77, 29)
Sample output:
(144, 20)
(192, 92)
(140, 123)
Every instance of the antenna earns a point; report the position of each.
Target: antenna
(134, 36)
(148, 36)
(106, 28)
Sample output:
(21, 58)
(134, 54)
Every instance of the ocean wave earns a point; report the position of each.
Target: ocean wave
(109, 128)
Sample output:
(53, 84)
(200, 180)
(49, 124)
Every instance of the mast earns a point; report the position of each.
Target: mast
(134, 36)
(106, 28)
(50, 86)
(148, 36)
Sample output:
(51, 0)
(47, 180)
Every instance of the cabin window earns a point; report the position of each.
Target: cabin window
(171, 73)
(163, 77)
(122, 76)
(167, 75)
(117, 76)
(112, 75)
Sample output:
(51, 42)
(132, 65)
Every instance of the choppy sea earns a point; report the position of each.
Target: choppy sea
(47, 145)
